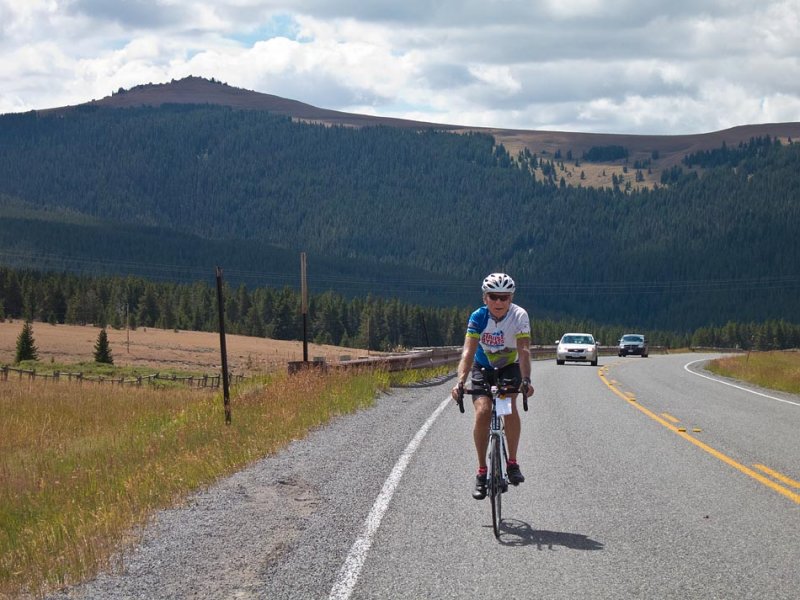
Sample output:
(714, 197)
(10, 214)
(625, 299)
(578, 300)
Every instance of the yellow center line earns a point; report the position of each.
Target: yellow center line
(669, 417)
(705, 447)
(779, 476)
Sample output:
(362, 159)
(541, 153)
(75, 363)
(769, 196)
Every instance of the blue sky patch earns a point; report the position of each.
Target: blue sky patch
(282, 25)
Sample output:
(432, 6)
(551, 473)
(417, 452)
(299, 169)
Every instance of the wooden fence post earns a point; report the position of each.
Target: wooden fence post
(223, 351)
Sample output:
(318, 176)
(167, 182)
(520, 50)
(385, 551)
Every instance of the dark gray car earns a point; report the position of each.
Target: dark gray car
(633, 343)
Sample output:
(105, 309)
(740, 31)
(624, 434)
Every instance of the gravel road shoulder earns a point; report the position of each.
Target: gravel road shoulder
(281, 527)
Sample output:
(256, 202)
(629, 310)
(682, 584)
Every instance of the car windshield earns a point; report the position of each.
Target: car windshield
(632, 338)
(578, 339)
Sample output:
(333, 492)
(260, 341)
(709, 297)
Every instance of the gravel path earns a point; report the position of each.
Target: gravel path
(278, 529)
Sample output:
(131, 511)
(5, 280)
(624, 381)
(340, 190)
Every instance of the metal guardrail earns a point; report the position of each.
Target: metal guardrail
(415, 359)
(421, 358)
(722, 350)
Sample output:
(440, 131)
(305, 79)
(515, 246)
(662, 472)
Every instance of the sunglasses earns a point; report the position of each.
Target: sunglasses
(501, 297)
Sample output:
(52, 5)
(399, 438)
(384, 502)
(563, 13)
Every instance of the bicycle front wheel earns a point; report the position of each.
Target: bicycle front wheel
(496, 485)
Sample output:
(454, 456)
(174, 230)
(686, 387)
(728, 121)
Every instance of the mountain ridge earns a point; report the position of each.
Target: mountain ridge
(198, 90)
(248, 189)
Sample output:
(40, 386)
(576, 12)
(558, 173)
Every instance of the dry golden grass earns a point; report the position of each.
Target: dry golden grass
(81, 465)
(774, 370)
(164, 350)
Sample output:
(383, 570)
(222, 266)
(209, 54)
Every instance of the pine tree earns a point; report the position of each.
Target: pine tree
(102, 351)
(26, 348)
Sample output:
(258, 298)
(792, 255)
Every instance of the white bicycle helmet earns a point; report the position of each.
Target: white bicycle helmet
(498, 282)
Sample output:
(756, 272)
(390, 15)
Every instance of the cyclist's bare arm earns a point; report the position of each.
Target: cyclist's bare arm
(465, 364)
(524, 352)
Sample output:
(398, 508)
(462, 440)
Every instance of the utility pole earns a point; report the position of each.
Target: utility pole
(223, 351)
(304, 304)
(128, 326)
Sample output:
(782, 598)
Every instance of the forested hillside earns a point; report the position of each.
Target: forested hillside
(399, 211)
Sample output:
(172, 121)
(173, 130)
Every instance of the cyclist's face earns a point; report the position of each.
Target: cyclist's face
(498, 303)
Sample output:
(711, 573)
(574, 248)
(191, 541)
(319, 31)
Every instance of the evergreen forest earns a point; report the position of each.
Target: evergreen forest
(370, 322)
(410, 217)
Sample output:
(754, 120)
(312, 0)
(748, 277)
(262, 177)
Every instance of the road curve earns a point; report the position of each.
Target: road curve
(618, 502)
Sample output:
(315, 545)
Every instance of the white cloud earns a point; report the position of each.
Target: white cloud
(593, 65)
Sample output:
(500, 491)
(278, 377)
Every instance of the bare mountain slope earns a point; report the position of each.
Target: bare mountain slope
(197, 90)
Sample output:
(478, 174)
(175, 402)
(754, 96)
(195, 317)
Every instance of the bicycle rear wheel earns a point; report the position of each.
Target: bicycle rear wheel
(496, 485)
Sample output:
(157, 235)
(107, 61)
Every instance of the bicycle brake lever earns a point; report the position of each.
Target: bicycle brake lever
(525, 383)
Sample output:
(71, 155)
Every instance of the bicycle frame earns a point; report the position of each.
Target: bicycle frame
(497, 432)
(497, 450)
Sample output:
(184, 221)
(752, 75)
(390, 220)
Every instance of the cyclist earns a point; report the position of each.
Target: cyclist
(496, 349)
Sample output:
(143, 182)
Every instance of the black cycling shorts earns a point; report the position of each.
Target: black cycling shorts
(483, 378)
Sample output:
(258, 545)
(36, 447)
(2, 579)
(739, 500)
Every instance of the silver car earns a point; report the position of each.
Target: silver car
(579, 347)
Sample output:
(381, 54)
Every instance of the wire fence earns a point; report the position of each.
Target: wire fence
(194, 381)
(417, 359)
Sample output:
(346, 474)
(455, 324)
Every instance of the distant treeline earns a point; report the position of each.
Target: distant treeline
(605, 153)
(371, 322)
(745, 154)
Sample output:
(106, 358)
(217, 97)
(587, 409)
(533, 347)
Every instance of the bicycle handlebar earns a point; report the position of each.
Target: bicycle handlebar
(460, 400)
(501, 391)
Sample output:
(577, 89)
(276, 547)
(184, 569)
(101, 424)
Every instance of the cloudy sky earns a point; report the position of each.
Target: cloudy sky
(615, 66)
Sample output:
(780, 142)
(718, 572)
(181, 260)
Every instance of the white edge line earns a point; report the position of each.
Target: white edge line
(351, 569)
(738, 387)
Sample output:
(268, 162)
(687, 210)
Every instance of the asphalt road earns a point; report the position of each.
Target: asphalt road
(618, 501)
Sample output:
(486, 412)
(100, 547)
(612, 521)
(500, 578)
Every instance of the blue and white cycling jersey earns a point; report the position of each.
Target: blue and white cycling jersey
(498, 339)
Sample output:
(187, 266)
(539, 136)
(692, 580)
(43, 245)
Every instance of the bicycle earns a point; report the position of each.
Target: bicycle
(497, 452)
